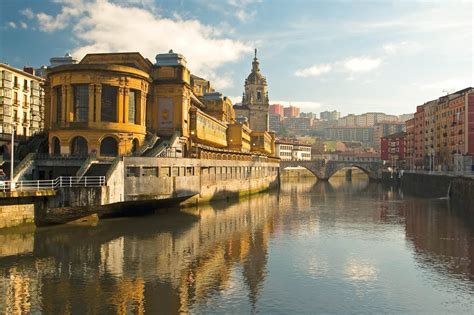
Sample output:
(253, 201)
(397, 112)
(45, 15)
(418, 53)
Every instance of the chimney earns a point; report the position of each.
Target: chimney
(29, 70)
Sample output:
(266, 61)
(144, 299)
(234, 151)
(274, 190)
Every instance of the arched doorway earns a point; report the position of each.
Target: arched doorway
(79, 146)
(56, 146)
(109, 147)
(135, 145)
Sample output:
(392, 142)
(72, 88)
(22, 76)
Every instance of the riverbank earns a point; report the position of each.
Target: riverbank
(138, 185)
(458, 188)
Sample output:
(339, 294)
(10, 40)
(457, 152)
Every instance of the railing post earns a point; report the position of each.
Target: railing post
(37, 185)
(85, 181)
(70, 181)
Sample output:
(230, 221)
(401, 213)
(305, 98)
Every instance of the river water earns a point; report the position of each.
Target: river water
(337, 247)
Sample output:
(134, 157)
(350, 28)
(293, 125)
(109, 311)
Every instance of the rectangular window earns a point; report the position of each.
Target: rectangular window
(109, 104)
(165, 172)
(59, 100)
(133, 171)
(175, 171)
(150, 171)
(132, 100)
(81, 102)
(189, 171)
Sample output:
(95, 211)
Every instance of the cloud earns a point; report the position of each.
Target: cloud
(313, 71)
(242, 9)
(352, 66)
(23, 25)
(404, 47)
(105, 26)
(362, 64)
(451, 85)
(28, 13)
(11, 24)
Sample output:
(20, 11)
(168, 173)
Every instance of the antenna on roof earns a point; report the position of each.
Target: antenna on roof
(448, 91)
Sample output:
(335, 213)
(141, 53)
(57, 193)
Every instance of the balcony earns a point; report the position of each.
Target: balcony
(16, 102)
(16, 85)
(26, 89)
(25, 105)
(16, 119)
(26, 122)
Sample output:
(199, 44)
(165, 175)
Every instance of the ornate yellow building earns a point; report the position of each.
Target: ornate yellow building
(118, 103)
(98, 105)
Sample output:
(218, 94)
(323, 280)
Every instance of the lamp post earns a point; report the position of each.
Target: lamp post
(12, 155)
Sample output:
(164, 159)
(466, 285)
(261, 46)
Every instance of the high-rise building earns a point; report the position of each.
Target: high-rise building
(291, 111)
(275, 122)
(276, 109)
(330, 116)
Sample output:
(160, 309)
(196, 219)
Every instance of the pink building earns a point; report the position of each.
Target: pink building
(276, 109)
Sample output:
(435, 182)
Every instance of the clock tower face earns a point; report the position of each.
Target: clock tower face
(256, 97)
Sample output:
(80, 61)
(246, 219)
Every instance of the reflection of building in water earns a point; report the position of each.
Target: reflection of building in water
(111, 257)
(442, 241)
(19, 292)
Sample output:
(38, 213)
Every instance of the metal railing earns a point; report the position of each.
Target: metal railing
(45, 184)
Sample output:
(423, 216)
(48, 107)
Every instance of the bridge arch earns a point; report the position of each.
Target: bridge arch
(323, 169)
(332, 172)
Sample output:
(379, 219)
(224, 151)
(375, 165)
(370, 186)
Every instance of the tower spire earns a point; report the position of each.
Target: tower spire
(255, 53)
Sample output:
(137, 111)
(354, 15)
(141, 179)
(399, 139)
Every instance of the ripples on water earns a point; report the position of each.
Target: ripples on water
(339, 247)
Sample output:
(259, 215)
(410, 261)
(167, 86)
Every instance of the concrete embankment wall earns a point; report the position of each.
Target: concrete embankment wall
(16, 214)
(460, 190)
(462, 194)
(425, 185)
(139, 184)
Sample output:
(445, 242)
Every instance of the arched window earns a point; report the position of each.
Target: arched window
(79, 146)
(109, 103)
(56, 146)
(109, 147)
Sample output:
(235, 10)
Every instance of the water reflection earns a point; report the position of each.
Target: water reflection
(337, 238)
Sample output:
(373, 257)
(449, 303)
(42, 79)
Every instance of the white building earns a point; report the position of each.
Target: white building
(292, 151)
(21, 102)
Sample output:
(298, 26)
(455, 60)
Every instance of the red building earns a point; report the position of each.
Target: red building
(419, 137)
(393, 148)
(410, 143)
(291, 111)
(276, 109)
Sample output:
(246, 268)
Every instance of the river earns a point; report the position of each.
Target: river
(337, 247)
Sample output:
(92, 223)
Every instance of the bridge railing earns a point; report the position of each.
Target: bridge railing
(45, 184)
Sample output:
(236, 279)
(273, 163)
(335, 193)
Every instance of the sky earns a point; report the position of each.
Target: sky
(350, 56)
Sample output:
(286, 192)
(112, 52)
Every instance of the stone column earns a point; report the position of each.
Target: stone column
(142, 109)
(120, 99)
(98, 102)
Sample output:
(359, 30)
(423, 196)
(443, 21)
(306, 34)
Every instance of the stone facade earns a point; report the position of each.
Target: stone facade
(16, 214)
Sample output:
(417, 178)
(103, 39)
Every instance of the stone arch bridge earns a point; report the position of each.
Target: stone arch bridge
(323, 169)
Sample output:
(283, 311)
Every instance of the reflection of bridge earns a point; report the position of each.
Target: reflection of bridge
(325, 169)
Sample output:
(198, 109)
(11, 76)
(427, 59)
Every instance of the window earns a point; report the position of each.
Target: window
(109, 104)
(175, 171)
(259, 95)
(150, 171)
(59, 100)
(165, 171)
(25, 85)
(81, 102)
(109, 147)
(79, 146)
(132, 100)
(133, 171)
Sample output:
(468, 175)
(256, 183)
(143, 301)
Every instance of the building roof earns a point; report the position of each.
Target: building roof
(26, 74)
(396, 135)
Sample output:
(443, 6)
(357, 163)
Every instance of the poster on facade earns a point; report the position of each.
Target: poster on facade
(165, 112)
